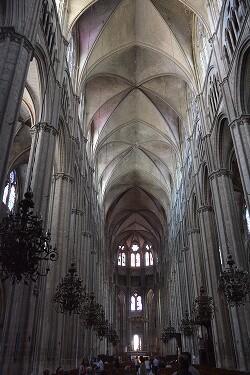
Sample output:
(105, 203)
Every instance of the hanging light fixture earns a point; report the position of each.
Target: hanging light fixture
(188, 326)
(70, 293)
(112, 336)
(204, 308)
(234, 283)
(90, 311)
(168, 333)
(24, 247)
(101, 326)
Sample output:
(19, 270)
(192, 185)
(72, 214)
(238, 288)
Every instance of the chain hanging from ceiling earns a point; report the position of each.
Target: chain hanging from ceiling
(234, 283)
(24, 247)
(70, 293)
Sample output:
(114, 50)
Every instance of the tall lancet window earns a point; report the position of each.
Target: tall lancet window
(9, 195)
(121, 257)
(247, 219)
(135, 256)
(148, 257)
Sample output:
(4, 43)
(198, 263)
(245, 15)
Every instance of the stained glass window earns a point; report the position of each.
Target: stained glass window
(9, 195)
(148, 258)
(136, 302)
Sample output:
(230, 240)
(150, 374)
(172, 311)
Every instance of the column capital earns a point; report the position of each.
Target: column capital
(242, 120)
(206, 208)
(44, 126)
(9, 32)
(87, 234)
(76, 211)
(63, 176)
(220, 172)
(193, 230)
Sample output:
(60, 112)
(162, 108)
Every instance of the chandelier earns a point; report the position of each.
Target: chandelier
(168, 333)
(101, 326)
(70, 293)
(234, 283)
(24, 247)
(112, 336)
(203, 308)
(90, 312)
(188, 326)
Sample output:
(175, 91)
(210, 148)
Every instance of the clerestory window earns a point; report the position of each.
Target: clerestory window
(9, 195)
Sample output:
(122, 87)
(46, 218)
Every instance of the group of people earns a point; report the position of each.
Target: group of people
(94, 365)
(145, 365)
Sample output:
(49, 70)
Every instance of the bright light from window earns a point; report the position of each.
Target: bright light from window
(9, 195)
(139, 304)
(136, 303)
(136, 342)
(133, 303)
(247, 216)
(135, 247)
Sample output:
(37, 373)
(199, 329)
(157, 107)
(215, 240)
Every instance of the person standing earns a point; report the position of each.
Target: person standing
(142, 370)
(147, 364)
(137, 364)
(155, 365)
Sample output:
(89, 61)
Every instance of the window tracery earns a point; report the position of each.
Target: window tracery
(136, 302)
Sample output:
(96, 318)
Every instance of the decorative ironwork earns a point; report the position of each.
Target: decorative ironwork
(101, 326)
(168, 333)
(70, 293)
(24, 247)
(204, 308)
(90, 312)
(112, 336)
(188, 326)
(234, 283)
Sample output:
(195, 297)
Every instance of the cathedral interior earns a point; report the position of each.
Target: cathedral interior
(129, 122)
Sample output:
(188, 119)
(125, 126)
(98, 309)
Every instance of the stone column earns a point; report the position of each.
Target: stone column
(220, 326)
(230, 239)
(16, 45)
(54, 337)
(195, 255)
(40, 165)
(240, 130)
(22, 325)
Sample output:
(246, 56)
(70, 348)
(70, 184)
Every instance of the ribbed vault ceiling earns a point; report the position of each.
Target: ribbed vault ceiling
(135, 69)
